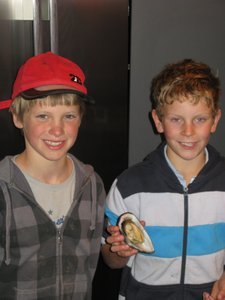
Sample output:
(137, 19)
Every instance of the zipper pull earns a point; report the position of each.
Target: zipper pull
(59, 237)
(185, 189)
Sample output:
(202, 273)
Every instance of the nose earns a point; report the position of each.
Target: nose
(188, 128)
(56, 128)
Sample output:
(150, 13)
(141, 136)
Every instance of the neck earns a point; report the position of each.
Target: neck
(188, 168)
(50, 172)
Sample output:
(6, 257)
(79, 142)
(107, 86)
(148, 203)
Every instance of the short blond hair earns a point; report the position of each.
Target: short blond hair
(20, 106)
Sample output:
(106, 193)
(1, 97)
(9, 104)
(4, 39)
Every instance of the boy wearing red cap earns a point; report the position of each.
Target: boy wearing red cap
(51, 204)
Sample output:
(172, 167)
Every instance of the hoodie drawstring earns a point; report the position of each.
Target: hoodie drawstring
(94, 202)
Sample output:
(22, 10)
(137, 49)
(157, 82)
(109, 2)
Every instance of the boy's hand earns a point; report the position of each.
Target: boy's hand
(206, 296)
(117, 244)
(218, 290)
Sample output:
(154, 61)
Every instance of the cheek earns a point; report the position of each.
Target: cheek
(72, 131)
(32, 131)
(168, 135)
(170, 131)
(206, 130)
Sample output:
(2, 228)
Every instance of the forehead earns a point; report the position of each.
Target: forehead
(187, 106)
(191, 98)
(54, 106)
(40, 107)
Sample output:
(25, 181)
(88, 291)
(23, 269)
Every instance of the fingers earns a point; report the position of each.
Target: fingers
(221, 296)
(115, 235)
(142, 223)
(206, 296)
(116, 240)
(218, 291)
(113, 230)
(123, 250)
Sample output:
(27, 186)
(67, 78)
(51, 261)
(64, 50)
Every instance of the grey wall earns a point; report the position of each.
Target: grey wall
(165, 31)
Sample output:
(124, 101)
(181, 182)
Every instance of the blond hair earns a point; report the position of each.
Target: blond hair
(20, 106)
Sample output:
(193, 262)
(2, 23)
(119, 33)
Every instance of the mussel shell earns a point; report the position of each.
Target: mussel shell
(134, 233)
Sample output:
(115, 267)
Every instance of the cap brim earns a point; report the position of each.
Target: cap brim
(35, 94)
(5, 104)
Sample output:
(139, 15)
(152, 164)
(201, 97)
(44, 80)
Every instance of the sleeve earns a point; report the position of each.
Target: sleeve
(115, 205)
(5, 223)
(2, 227)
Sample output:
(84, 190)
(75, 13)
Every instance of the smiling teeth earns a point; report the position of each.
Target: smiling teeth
(53, 143)
(188, 144)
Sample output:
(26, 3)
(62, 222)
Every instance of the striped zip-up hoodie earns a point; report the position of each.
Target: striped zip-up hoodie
(186, 225)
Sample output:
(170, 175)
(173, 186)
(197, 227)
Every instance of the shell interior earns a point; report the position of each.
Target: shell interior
(134, 233)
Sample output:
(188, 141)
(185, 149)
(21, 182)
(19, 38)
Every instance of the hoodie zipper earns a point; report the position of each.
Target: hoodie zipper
(59, 241)
(185, 236)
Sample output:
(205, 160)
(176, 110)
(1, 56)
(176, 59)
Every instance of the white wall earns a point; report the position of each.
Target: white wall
(162, 32)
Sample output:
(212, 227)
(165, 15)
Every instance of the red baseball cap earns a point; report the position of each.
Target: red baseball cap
(5, 104)
(48, 74)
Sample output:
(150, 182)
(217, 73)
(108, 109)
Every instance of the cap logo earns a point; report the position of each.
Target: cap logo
(76, 79)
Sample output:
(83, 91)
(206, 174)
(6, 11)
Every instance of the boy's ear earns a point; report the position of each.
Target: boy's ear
(17, 122)
(216, 121)
(157, 121)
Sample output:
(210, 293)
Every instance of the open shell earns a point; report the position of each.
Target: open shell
(134, 233)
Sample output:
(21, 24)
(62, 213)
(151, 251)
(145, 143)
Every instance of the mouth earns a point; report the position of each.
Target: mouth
(187, 144)
(54, 143)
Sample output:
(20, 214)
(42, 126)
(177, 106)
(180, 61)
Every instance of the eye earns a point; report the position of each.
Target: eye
(200, 120)
(42, 116)
(71, 116)
(175, 120)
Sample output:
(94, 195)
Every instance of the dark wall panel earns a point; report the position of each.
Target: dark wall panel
(95, 35)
